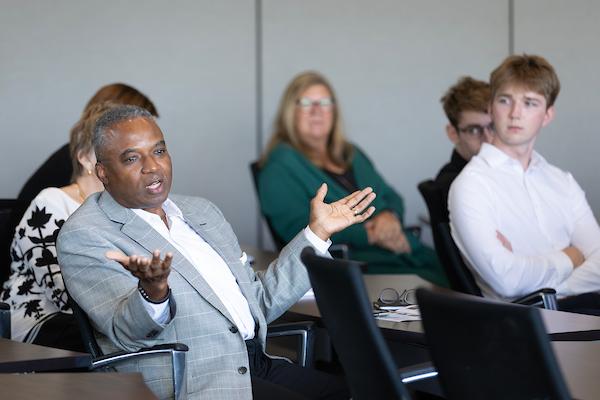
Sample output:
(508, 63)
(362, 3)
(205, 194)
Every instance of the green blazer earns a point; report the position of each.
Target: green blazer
(287, 183)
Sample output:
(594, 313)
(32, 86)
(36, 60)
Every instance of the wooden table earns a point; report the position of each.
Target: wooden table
(76, 386)
(580, 363)
(18, 357)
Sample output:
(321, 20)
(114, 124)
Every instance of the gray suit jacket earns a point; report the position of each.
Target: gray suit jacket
(108, 293)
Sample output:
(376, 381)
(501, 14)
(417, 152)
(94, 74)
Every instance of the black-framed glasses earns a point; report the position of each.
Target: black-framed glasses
(307, 105)
(390, 297)
(475, 131)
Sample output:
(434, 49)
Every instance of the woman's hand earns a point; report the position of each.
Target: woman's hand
(327, 219)
(385, 231)
(383, 227)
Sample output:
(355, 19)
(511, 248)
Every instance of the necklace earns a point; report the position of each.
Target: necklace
(79, 192)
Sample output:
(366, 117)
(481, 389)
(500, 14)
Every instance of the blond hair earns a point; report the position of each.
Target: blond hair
(338, 149)
(81, 136)
(533, 72)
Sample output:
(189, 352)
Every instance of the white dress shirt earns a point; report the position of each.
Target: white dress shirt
(540, 211)
(210, 265)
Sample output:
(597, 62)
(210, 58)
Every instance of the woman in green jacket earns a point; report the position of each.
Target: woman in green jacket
(307, 149)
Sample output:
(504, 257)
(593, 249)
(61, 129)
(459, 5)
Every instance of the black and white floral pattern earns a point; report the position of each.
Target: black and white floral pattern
(35, 289)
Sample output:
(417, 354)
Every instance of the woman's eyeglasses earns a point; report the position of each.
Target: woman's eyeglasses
(308, 106)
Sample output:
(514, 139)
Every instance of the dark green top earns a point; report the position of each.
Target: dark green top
(287, 183)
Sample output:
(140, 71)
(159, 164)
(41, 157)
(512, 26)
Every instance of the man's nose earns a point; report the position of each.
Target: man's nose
(149, 165)
(516, 110)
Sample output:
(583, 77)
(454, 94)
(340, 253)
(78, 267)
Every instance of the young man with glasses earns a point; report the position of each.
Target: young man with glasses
(520, 223)
(465, 105)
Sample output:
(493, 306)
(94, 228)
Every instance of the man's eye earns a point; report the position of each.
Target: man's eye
(130, 159)
(160, 151)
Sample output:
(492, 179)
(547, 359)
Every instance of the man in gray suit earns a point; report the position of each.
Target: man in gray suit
(203, 292)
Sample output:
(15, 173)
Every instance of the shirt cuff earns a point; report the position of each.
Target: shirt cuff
(160, 313)
(316, 241)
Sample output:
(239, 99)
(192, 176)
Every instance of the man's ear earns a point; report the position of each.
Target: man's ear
(101, 173)
(549, 116)
(452, 133)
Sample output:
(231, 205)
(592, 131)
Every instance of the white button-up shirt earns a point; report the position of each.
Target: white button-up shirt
(210, 265)
(540, 211)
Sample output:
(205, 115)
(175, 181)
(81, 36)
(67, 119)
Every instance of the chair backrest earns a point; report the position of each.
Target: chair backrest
(466, 281)
(85, 328)
(484, 349)
(347, 314)
(458, 274)
(11, 212)
(54, 172)
(279, 242)
(5, 321)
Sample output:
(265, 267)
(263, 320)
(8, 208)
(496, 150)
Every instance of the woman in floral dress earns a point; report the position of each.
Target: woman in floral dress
(35, 289)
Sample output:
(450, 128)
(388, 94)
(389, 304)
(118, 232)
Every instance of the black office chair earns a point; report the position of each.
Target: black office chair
(101, 362)
(177, 351)
(341, 249)
(347, 314)
(56, 171)
(460, 277)
(4, 321)
(489, 350)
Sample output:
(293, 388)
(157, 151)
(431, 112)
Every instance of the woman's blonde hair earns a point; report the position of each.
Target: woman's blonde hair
(83, 131)
(339, 150)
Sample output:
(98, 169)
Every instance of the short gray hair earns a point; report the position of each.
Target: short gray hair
(110, 118)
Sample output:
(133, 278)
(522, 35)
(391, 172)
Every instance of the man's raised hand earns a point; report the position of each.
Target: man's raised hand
(327, 219)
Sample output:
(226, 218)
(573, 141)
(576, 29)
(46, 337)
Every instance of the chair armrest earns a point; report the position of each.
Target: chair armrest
(119, 356)
(343, 248)
(177, 352)
(417, 372)
(545, 298)
(306, 330)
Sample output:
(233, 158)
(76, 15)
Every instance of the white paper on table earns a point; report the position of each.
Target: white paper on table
(407, 313)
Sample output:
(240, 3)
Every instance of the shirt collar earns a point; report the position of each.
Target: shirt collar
(170, 209)
(495, 157)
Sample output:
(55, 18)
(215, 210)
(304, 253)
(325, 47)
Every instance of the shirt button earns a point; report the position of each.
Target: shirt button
(242, 370)
(233, 329)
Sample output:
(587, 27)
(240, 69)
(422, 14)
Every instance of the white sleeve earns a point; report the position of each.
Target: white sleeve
(473, 223)
(160, 313)
(316, 241)
(586, 237)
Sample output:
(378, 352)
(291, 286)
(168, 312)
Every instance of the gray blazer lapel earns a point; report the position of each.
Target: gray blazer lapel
(142, 233)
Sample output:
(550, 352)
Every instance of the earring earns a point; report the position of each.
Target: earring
(89, 171)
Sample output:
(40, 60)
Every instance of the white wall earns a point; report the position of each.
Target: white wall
(389, 60)
(194, 59)
(568, 35)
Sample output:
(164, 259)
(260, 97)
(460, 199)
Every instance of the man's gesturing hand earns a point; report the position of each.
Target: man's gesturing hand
(152, 274)
(327, 219)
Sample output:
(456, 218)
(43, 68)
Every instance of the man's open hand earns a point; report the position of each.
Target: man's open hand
(327, 219)
(152, 274)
